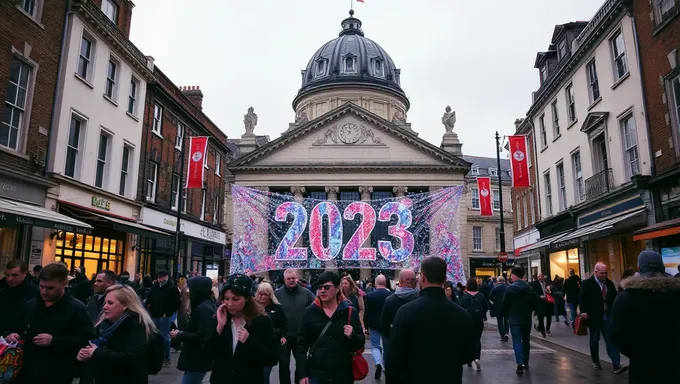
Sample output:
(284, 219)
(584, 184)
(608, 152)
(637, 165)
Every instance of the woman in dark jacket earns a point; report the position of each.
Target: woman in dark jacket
(243, 342)
(193, 360)
(265, 296)
(477, 305)
(450, 292)
(120, 352)
(325, 357)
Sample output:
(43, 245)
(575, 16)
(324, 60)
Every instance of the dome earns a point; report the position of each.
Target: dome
(351, 59)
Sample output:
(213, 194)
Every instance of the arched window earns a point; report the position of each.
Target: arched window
(378, 68)
(350, 63)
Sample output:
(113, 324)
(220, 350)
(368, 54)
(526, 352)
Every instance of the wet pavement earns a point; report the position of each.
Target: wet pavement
(550, 363)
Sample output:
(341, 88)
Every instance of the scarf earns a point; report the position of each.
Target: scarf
(106, 330)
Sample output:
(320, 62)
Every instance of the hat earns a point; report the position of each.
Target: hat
(161, 273)
(650, 262)
(326, 277)
(239, 283)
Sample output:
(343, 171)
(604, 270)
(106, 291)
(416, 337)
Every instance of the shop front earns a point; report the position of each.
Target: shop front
(489, 266)
(521, 243)
(563, 255)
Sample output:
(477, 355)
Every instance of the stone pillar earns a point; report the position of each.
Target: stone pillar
(365, 192)
(400, 191)
(332, 193)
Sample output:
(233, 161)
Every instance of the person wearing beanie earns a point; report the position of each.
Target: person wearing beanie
(329, 333)
(644, 321)
(243, 342)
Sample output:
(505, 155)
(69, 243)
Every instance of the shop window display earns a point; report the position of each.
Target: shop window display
(94, 252)
(561, 262)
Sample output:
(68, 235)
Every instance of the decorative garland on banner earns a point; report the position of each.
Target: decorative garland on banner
(273, 231)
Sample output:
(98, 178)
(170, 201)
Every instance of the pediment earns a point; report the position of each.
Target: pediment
(594, 120)
(349, 137)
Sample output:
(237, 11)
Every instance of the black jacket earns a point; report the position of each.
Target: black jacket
(466, 303)
(431, 339)
(12, 299)
(519, 302)
(124, 358)
(201, 324)
(392, 305)
(644, 326)
(591, 302)
(246, 364)
(95, 305)
(496, 299)
(71, 328)
(373, 306)
(279, 321)
(163, 300)
(572, 289)
(294, 302)
(80, 288)
(331, 359)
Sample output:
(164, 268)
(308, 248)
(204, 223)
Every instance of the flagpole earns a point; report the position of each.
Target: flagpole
(182, 187)
(500, 197)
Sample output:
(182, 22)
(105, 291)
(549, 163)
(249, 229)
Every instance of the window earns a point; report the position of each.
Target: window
(151, 182)
(15, 105)
(532, 214)
(477, 238)
(579, 188)
(174, 192)
(378, 68)
(110, 90)
(124, 170)
(619, 53)
(184, 199)
(475, 198)
(72, 147)
(85, 58)
(675, 84)
(474, 171)
(662, 9)
(556, 120)
(132, 97)
(562, 192)
(525, 200)
(157, 119)
(110, 9)
(521, 204)
(218, 163)
(205, 161)
(216, 209)
(544, 73)
(561, 49)
(180, 135)
(203, 204)
(496, 200)
(29, 6)
(593, 84)
(101, 160)
(493, 172)
(571, 103)
(629, 134)
(321, 67)
(548, 193)
(350, 64)
(544, 135)
(498, 238)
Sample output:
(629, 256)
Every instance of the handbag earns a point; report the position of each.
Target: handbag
(359, 363)
(549, 298)
(11, 361)
(581, 326)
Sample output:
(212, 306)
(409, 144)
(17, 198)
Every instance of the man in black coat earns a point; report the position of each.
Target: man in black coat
(373, 306)
(543, 308)
(596, 301)
(163, 302)
(80, 287)
(102, 281)
(406, 292)
(432, 337)
(496, 300)
(572, 290)
(54, 327)
(15, 289)
(519, 303)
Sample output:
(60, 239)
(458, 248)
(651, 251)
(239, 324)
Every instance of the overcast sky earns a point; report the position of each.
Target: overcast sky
(476, 56)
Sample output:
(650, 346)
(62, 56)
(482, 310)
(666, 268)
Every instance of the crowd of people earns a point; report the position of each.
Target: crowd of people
(236, 329)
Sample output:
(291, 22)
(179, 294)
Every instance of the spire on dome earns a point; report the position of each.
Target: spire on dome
(351, 25)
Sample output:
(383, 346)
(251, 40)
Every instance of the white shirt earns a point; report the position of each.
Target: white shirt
(234, 336)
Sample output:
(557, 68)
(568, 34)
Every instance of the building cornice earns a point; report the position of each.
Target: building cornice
(28, 177)
(94, 190)
(346, 168)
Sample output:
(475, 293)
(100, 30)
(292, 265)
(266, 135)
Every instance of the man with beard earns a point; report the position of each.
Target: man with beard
(15, 289)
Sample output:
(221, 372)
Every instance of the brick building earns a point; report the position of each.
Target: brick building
(658, 31)
(172, 113)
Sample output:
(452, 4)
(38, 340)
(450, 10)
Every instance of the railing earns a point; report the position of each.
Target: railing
(599, 184)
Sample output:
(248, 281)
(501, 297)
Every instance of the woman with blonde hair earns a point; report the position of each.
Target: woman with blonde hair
(185, 304)
(351, 291)
(265, 296)
(120, 351)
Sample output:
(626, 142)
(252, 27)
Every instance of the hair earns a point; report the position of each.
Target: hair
(125, 273)
(181, 283)
(54, 271)
(449, 284)
(517, 271)
(147, 282)
(109, 275)
(434, 269)
(37, 269)
(267, 288)
(501, 280)
(252, 308)
(352, 285)
(472, 285)
(23, 268)
(129, 298)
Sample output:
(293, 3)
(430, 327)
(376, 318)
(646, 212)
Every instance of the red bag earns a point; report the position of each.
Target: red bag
(359, 363)
(549, 298)
(581, 327)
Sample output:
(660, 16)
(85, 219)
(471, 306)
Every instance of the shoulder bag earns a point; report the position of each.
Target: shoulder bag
(359, 363)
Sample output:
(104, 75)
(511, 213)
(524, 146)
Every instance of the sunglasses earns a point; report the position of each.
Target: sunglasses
(325, 287)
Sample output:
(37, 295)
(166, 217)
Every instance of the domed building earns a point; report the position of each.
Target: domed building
(351, 139)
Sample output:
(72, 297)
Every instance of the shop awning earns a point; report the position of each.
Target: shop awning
(131, 227)
(602, 227)
(540, 244)
(13, 213)
(662, 229)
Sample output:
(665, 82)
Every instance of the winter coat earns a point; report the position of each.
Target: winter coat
(95, 305)
(163, 300)
(496, 299)
(246, 364)
(644, 326)
(431, 339)
(374, 302)
(392, 305)
(143, 293)
(279, 321)
(71, 328)
(519, 302)
(124, 358)
(572, 289)
(294, 302)
(331, 360)
(542, 308)
(200, 325)
(466, 303)
(12, 299)
(591, 302)
(80, 288)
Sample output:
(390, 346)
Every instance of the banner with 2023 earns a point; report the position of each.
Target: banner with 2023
(273, 231)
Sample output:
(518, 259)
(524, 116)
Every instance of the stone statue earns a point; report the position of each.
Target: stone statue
(399, 118)
(250, 121)
(301, 118)
(449, 119)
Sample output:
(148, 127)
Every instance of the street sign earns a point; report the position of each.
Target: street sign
(502, 257)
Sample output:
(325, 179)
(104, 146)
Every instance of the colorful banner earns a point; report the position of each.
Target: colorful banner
(519, 161)
(274, 232)
(484, 188)
(198, 150)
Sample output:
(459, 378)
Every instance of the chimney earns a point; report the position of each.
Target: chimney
(194, 94)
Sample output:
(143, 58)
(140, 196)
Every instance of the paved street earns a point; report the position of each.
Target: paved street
(550, 363)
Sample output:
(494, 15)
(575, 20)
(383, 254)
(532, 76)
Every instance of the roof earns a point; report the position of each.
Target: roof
(233, 144)
(484, 163)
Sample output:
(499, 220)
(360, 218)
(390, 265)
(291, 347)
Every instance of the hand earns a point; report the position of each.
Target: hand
(12, 338)
(584, 315)
(82, 354)
(283, 341)
(174, 333)
(43, 340)
(543, 297)
(348, 329)
(222, 315)
(242, 335)
(304, 380)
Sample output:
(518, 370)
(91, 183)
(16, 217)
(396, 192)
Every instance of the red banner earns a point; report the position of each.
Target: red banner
(519, 161)
(484, 188)
(198, 150)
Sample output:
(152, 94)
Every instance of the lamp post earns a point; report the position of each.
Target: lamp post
(503, 255)
(178, 233)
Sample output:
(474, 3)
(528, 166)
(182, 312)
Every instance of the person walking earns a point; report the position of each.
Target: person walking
(102, 281)
(597, 297)
(355, 295)
(496, 299)
(267, 299)
(294, 300)
(644, 320)
(572, 290)
(374, 302)
(476, 304)
(432, 337)
(406, 292)
(16, 288)
(163, 302)
(544, 309)
(519, 303)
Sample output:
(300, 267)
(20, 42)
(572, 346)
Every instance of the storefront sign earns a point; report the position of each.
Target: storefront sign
(18, 190)
(611, 211)
(167, 222)
(9, 220)
(101, 203)
(571, 243)
(489, 263)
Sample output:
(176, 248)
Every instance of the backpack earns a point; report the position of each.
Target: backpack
(476, 308)
(156, 353)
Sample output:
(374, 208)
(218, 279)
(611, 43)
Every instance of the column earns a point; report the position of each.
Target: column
(332, 193)
(365, 192)
(400, 191)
